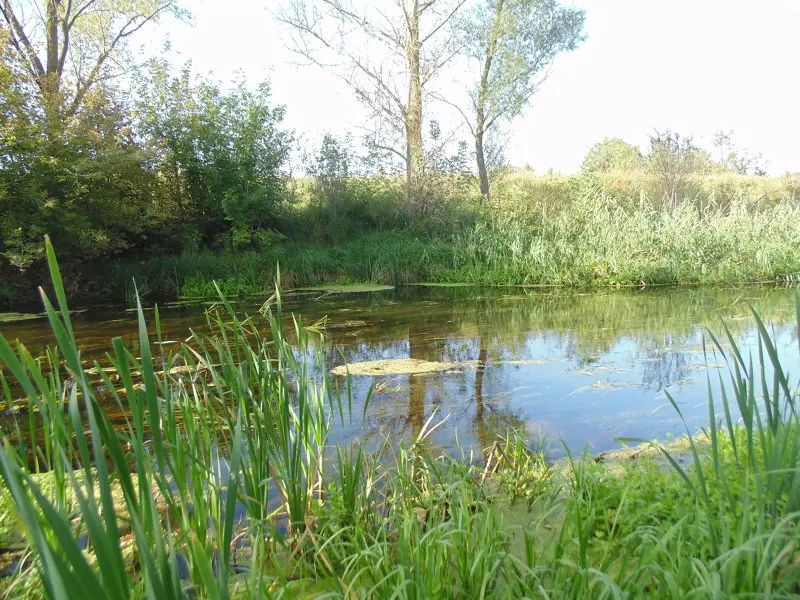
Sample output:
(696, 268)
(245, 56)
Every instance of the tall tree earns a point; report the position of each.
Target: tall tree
(83, 42)
(512, 43)
(386, 55)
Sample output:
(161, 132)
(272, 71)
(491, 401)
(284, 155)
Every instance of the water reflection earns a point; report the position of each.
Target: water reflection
(584, 368)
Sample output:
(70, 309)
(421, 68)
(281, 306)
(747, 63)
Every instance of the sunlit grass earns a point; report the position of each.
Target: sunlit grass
(588, 230)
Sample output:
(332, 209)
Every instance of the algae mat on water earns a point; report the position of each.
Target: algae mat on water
(14, 317)
(350, 288)
(394, 366)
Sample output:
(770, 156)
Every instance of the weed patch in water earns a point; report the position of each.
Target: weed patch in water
(394, 366)
(350, 288)
(13, 317)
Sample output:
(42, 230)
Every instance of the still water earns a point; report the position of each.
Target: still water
(579, 368)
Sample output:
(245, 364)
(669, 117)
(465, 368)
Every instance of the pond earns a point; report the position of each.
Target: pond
(582, 368)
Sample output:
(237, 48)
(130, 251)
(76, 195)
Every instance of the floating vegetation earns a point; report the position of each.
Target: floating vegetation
(701, 366)
(13, 317)
(536, 361)
(394, 366)
(350, 288)
(606, 385)
(598, 369)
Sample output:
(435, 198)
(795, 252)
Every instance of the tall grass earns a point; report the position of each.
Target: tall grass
(222, 483)
(586, 230)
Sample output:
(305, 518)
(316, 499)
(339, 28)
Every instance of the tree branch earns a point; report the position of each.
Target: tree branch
(22, 43)
(402, 155)
(466, 117)
(303, 26)
(430, 72)
(126, 31)
(65, 31)
(443, 22)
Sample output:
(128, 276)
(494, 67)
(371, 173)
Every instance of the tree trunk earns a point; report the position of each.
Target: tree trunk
(414, 148)
(51, 84)
(483, 92)
(483, 173)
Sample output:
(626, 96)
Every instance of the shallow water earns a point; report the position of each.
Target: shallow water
(582, 368)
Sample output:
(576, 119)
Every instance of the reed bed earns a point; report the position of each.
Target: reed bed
(590, 230)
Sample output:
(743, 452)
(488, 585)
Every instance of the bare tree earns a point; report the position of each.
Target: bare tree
(76, 40)
(388, 55)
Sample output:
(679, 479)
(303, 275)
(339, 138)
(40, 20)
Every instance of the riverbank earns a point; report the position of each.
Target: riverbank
(590, 230)
(596, 249)
(295, 515)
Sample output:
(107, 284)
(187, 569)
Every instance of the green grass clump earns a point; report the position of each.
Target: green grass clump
(222, 482)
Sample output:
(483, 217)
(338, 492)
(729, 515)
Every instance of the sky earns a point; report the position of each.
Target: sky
(692, 66)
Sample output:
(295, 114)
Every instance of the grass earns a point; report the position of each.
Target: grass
(223, 483)
(588, 230)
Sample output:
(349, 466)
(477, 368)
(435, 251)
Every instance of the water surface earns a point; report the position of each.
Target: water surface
(582, 368)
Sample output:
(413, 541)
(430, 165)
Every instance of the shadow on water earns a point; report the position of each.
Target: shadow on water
(585, 368)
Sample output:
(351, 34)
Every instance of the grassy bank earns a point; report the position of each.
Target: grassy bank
(223, 483)
(592, 229)
(579, 231)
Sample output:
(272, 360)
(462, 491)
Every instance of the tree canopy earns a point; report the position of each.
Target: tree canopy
(512, 44)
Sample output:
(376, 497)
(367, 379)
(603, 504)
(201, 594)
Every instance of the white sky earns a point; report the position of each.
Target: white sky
(695, 66)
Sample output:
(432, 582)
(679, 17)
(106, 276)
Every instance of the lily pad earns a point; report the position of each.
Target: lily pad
(394, 366)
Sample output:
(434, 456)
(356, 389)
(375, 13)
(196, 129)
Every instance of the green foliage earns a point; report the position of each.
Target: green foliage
(594, 229)
(613, 154)
(332, 190)
(85, 183)
(523, 37)
(221, 153)
(678, 164)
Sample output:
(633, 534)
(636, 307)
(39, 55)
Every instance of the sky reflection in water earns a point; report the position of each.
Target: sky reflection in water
(582, 368)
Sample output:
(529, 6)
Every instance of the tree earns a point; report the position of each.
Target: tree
(387, 58)
(676, 162)
(734, 159)
(221, 154)
(89, 187)
(513, 44)
(84, 41)
(330, 168)
(613, 154)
